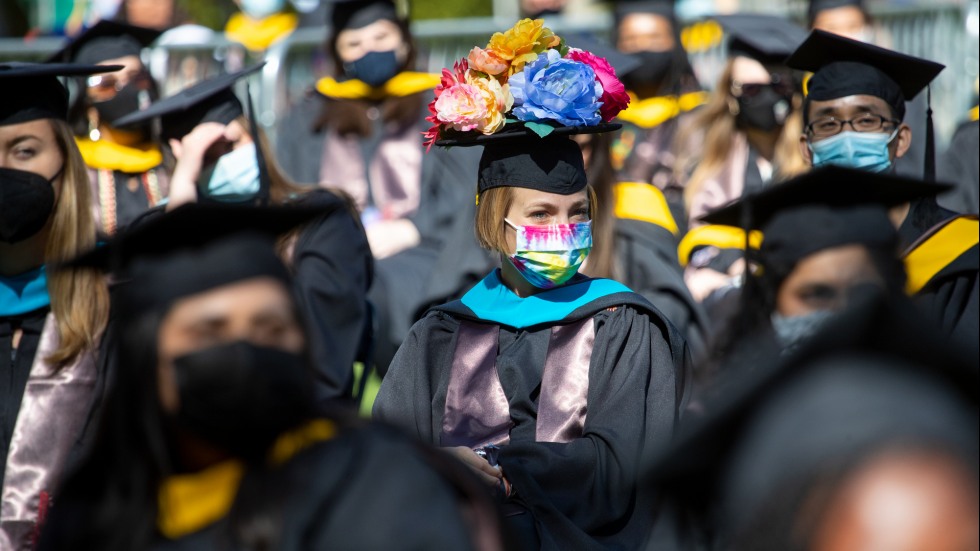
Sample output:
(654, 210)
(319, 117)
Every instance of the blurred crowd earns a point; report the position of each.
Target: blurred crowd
(566, 294)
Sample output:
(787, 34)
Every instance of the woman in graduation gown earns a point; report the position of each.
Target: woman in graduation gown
(360, 134)
(50, 323)
(210, 437)
(575, 379)
(741, 141)
(126, 165)
(223, 157)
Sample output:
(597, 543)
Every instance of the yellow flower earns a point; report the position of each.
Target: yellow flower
(497, 98)
(522, 43)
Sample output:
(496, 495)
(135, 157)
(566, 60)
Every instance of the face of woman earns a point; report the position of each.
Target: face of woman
(820, 282)
(260, 311)
(380, 36)
(32, 147)
(531, 207)
(645, 32)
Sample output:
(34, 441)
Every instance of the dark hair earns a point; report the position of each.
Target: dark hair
(350, 116)
(109, 501)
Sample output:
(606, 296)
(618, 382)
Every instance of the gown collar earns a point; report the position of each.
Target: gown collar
(24, 293)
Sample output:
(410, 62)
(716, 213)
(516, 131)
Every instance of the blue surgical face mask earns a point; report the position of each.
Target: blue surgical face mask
(861, 150)
(235, 177)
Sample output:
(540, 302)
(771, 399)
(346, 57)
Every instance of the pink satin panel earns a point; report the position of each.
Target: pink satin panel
(477, 412)
(563, 404)
(395, 170)
(52, 413)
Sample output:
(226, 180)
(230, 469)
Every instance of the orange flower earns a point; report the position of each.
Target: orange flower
(522, 43)
(487, 61)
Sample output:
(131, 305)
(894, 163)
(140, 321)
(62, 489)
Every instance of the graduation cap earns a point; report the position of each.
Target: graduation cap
(31, 91)
(106, 40)
(195, 247)
(766, 38)
(843, 395)
(355, 14)
(845, 67)
(211, 100)
(824, 208)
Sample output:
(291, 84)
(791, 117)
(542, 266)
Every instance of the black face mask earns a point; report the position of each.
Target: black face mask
(765, 111)
(26, 203)
(655, 68)
(374, 68)
(240, 396)
(129, 99)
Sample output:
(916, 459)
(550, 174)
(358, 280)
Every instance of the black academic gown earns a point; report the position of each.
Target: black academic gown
(960, 165)
(333, 269)
(580, 493)
(647, 260)
(364, 488)
(952, 295)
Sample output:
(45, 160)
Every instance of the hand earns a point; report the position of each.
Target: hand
(490, 475)
(190, 152)
(388, 237)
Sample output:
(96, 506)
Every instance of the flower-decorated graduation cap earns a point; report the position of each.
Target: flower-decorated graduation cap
(823, 208)
(104, 41)
(195, 247)
(844, 67)
(520, 98)
(31, 91)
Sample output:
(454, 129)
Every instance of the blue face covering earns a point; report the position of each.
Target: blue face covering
(236, 176)
(374, 68)
(860, 150)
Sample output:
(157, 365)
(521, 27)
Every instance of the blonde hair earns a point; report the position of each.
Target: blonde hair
(79, 296)
(491, 209)
(714, 147)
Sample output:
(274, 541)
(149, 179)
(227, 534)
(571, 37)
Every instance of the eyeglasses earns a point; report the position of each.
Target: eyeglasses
(106, 86)
(866, 122)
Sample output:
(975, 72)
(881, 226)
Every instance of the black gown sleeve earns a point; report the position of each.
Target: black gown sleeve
(954, 303)
(332, 265)
(583, 493)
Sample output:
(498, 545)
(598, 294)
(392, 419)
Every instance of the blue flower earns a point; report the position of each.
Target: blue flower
(553, 88)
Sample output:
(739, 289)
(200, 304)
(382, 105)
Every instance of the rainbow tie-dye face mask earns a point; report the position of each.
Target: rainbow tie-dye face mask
(548, 256)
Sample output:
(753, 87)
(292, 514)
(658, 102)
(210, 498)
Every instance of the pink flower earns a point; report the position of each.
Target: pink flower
(487, 61)
(614, 97)
(449, 80)
(462, 107)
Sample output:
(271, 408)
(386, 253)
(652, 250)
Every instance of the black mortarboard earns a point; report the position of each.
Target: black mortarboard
(196, 247)
(824, 208)
(879, 349)
(664, 8)
(354, 14)
(766, 38)
(31, 91)
(830, 186)
(621, 62)
(817, 6)
(211, 100)
(106, 40)
(845, 67)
